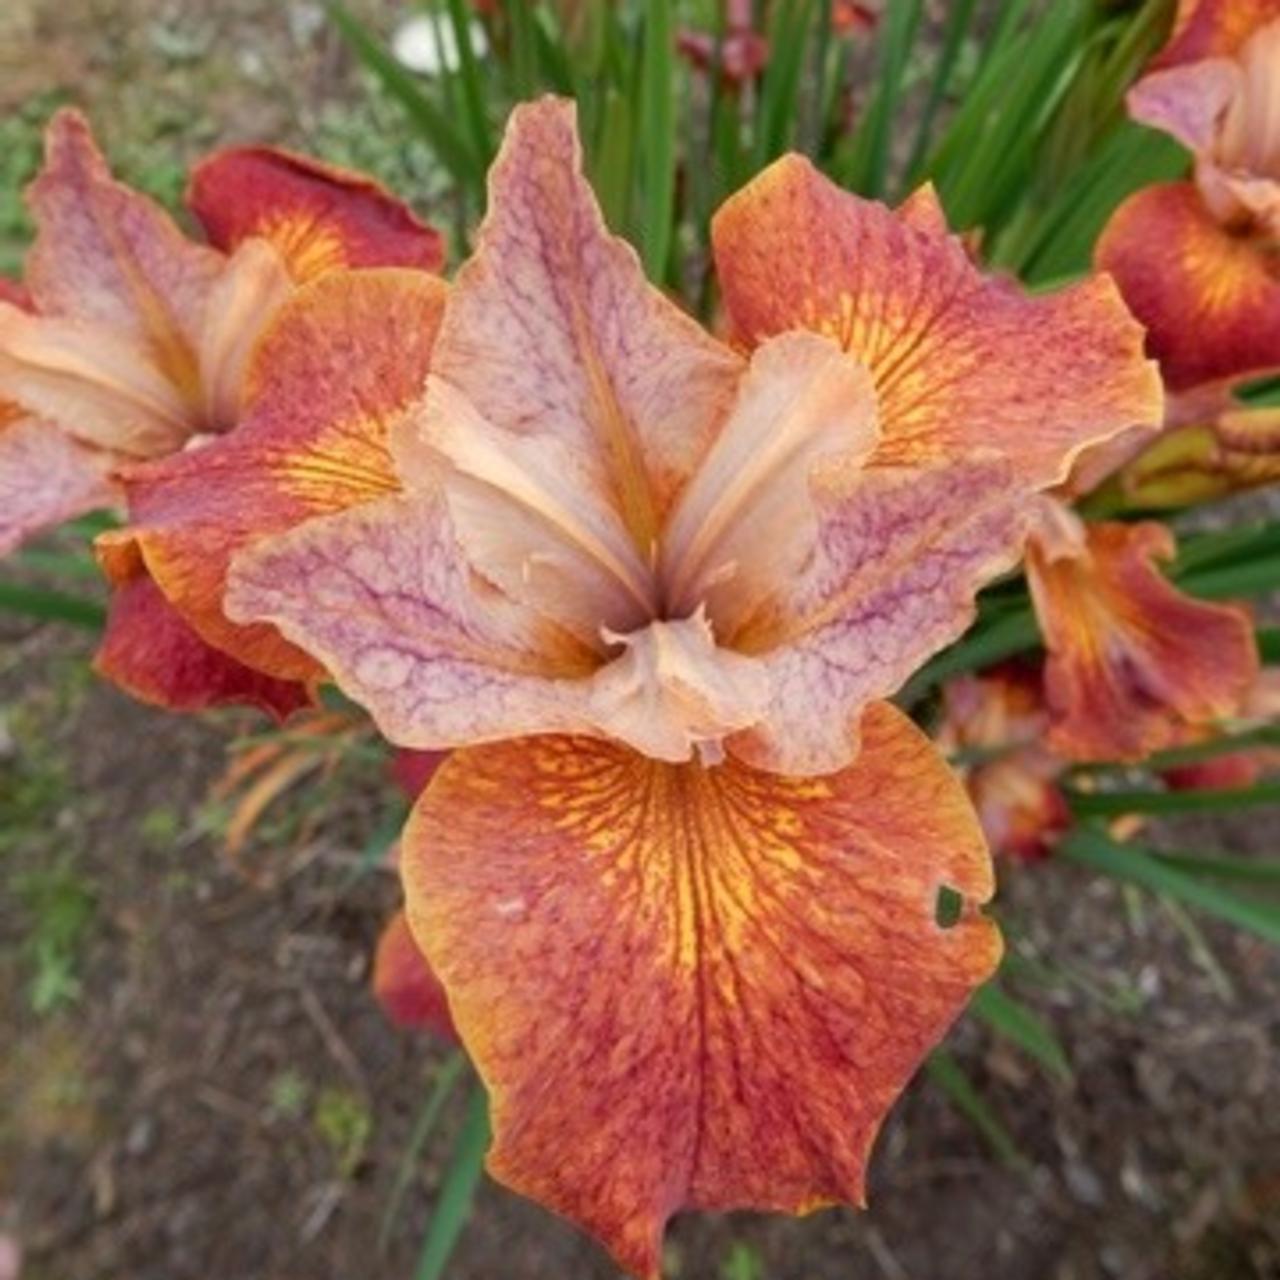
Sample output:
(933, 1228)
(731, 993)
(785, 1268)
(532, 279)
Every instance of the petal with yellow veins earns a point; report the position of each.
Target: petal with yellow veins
(1132, 661)
(342, 358)
(688, 987)
(1209, 298)
(960, 363)
(319, 217)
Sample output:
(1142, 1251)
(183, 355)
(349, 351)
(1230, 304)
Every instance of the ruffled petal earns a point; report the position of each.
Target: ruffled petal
(319, 217)
(1209, 298)
(1188, 103)
(1132, 660)
(1213, 28)
(151, 653)
(343, 357)
(46, 477)
(960, 363)
(553, 333)
(405, 985)
(694, 988)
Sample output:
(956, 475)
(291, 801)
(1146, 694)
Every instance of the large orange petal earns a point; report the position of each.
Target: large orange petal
(1213, 28)
(342, 358)
(554, 333)
(960, 363)
(109, 255)
(319, 217)
(1132, 660)
(151, 652)
(46, 477)
(1209, 298)
(694, 988)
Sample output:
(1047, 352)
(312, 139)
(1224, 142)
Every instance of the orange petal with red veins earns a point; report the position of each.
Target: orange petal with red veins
(151, 652)
(1209, 299)
(405, 986)
(1132, 661)
(109, 255)
(342, 358)
(960, 363)
(690, 988)
(553, 332)
(46, 477)
(1213, 28)
(321, 218)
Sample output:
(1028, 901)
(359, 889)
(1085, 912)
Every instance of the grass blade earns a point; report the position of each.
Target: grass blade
(658, 138)
(459, 1188)
(1223, 866)
(1021, 1026)
(52, 606)
(473, 90)
(1112, 804)
(942, 1068)
(1091, 848)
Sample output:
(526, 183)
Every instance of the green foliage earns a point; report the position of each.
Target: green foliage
(453, 1208)
(344, 1123)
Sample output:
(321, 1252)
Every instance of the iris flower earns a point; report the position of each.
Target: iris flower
(679, 877)
(1195, 260)
(132, 342)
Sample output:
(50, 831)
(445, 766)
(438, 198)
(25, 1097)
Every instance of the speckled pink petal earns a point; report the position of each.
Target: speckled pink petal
(901, 553)
(106, 254)
(382, 598)
(1188, 103)
(553, 332)
(45, 478)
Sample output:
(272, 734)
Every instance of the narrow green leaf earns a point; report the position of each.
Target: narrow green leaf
(943, 1069)
(613, 175)
(52, 606)
(778, 108)
(1110, 804)
(658, 138)
(1222, 866)
(1250, 578)
(434, 125)
(1090, 847)
(959, 17)
(1023, 1027)
(1014, 633)
(524, 48)
(446, 1076)
(459, 1187)
(474, 97)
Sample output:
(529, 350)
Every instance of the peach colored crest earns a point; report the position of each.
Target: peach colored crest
(134, 340)
(1132, 660)
(1195, 260)
(700, 568)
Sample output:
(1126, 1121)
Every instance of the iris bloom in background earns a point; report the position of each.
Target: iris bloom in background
(993, 729)
(679, 876)
(1133, 663)
(132, 342)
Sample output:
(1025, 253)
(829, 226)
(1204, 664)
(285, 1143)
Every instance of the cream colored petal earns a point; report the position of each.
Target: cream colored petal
(97, 384)
(240, 305)
(527, 515)
(747, 522)
(673, 692)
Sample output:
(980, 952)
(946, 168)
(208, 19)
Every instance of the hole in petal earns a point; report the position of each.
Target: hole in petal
(948, 907)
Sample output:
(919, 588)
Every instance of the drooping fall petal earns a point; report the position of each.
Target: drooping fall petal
(319, 217)
(553, 331)
(694, 988)
(1132, 661)
(46, 477)
(152, 653)
(1213, 28)
(1209, 298)
(341, 360)
(405, 985)
(959, 362)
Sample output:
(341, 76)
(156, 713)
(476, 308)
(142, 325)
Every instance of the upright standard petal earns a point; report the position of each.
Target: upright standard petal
(1132, 660)
(342, 358)
(688, 987)
(960, 363)
(46, 477)
(108, 255)
(1213, 28)
(319, 217)
(151, 653)
(1208, 298)
(554, 333)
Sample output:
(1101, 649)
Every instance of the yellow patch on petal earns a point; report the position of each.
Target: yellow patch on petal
(1202, 463)
(1132, 660)
(690, 987)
